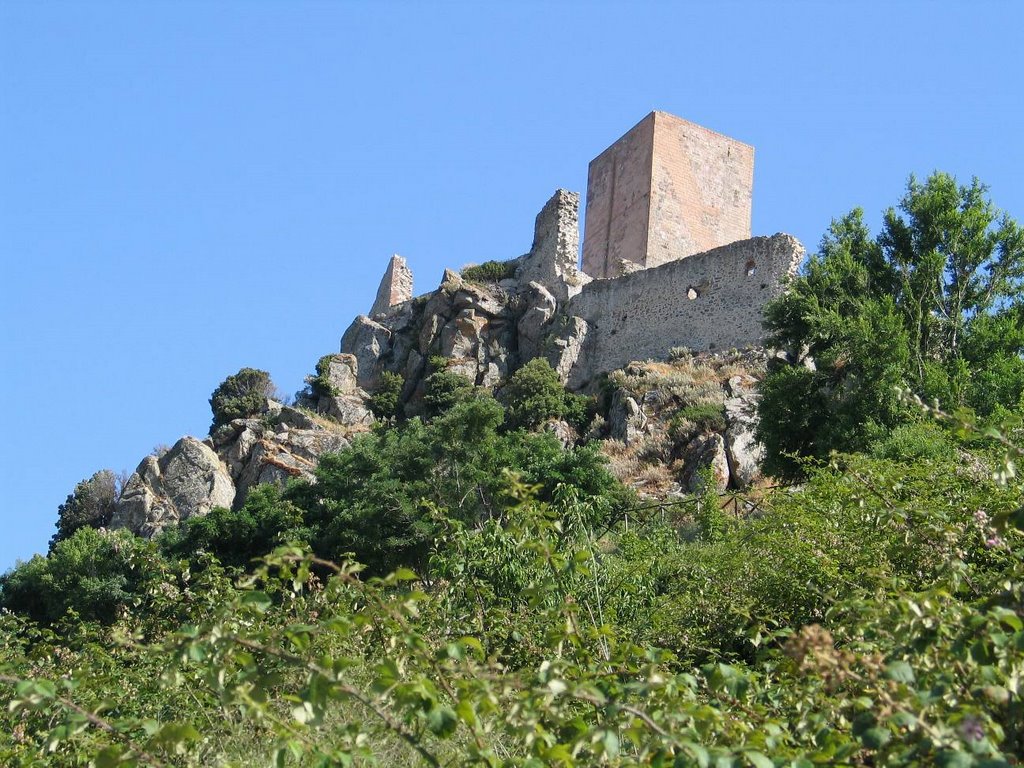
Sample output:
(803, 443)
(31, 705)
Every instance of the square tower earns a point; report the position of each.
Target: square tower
(666, 190)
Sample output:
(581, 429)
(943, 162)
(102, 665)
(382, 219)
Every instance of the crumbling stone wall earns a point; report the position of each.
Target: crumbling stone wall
(711, 300)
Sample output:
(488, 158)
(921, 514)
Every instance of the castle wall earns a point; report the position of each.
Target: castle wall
(664, 191)
(711, 300)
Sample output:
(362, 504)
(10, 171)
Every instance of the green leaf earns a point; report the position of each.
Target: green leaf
(949, 758)
(610, 743)
(900, 671)
(258, 601)
(757, 759)
(442, 721)
(875, 738)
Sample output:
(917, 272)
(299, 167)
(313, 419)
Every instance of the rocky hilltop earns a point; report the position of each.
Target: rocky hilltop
(662, 420)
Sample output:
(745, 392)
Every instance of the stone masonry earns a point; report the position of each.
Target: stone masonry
(666, 190)
(711, 300)
(395, 286)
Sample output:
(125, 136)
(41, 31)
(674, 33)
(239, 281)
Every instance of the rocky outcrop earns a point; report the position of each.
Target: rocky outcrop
(195, 476)
(706, 452)
(343, 400)
(743, 451)
(273, 450)
(188, 480)
(626, 419)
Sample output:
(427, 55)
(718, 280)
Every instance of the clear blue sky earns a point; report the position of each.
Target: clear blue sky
(189, 188)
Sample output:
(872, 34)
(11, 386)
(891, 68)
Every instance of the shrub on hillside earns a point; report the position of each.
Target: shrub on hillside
(443, 390)
(236, 537)
(241, 395)
(93, 573)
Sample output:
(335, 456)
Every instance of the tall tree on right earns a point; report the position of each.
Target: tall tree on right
(933, 302)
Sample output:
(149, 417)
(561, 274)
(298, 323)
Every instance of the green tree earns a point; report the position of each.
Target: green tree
(933, 302)
(90, 504)
(240, 395)
(443, 390)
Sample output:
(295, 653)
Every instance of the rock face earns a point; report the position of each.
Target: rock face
(346, 402)
(195, 476)
(743, 451)
(190, 479)
(706, 452)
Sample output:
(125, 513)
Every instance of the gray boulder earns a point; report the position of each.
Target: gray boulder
(702, 452)
(626, 419)
(189, 480)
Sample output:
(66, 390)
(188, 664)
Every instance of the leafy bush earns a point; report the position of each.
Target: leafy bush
(320, 383)
(236, 537)
(241, 395)
(490, 271)
(533, 395)
(914, 441)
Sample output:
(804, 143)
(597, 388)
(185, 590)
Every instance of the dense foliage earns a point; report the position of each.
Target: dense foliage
(240, 395)
(489, 271)
(932, 303)
(873, 617)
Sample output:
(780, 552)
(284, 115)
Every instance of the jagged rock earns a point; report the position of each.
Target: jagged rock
(278, 457)
(626, 419)
(348, 410)
(540, 307)
(460, 338)
(743, 451)
(706, 451)
(368, 341)
(188, 480)
(477, 299)
(566, 349)
(395, 286)
(451, 280)
(343, 374)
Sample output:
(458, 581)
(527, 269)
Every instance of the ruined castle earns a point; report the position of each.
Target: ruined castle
(668, 261)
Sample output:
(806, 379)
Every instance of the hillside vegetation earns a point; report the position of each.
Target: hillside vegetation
(531, 577)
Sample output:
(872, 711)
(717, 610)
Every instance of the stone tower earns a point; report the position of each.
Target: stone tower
(666, 190)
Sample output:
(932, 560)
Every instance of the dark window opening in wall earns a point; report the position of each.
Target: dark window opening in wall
(692, 293)
(751, 268)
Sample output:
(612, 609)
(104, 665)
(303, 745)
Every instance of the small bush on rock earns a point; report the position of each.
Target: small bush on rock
(241, 395)
(489, 271)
